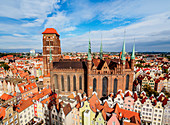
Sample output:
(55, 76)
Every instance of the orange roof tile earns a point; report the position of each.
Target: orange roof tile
(24, 104)
(71, 96)
(6, 96)
(50, 31)
(42, 93)
(2, 112)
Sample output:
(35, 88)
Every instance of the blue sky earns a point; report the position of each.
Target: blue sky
(148, 21)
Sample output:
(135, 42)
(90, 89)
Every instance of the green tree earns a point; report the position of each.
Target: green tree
(149, 91)
(5, 66)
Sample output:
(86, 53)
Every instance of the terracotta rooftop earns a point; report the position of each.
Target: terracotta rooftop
(2, 112)
(23, 105)
(50, 31)
(6, 96)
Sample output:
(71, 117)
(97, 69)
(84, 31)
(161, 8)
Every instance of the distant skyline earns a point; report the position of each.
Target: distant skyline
(148, 21)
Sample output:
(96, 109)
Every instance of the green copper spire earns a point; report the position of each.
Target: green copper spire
(123, 49)
(89, 51)
(133, 52)
(123, 52)
(101, 49)
(50, 55)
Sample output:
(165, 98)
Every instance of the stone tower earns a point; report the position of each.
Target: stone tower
(51, 48)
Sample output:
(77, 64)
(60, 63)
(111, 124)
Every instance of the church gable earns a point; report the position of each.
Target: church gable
(105, 67)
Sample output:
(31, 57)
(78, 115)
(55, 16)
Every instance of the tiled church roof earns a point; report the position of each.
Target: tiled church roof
(68, 65)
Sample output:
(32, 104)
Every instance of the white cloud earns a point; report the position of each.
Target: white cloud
(143, 31)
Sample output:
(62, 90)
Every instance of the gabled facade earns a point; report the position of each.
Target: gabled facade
(166, 119)
(119, 99)
(147, 112)
(128, 101)
(25, 111)
(157, 114)
(137, 106)
(85, 107)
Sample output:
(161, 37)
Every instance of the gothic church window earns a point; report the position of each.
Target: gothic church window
(80, 82)
(94, 84)
(74, 83)
(68, 83)
(62, 83)
(115, 86)
(105, 86)
(127, 82)
(56, 81)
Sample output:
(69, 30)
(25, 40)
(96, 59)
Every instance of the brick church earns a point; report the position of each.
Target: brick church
(100, 75)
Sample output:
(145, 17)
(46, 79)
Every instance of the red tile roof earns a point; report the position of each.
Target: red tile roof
(2, 112)
(93, 102)
(24, 104)
(51, 31)
(6, 96)
(122, 113)
(42, 93)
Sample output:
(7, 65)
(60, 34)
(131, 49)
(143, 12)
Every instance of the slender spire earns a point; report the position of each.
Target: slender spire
(101, 49)
(50, 55)
(123, 49)
(89, 49)
(133, 51)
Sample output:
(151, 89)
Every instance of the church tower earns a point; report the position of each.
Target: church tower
(51, 48)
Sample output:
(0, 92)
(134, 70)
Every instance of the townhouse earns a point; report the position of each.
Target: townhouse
(25, 110)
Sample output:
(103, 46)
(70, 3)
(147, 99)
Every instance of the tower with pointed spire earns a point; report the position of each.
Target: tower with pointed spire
(89, 65)
(89, 51)
(101, 50)
(133, 57)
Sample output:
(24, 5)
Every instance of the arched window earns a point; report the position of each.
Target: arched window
(80, 82)
(105, 86)
(56, 81)
(94, 84)
(127, 82)
(115, 86)
(68, 83)
(62, 83)
(74, 83)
